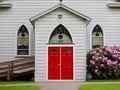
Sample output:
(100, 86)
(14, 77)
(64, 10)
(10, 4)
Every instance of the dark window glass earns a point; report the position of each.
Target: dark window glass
(67, 51)
(97, 37)
(23, 41)
(60, 35)
(53, 51)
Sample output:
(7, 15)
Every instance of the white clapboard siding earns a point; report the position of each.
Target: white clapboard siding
(22, 10)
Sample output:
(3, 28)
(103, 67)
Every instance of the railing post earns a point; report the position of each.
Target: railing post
(12, 67)
(8, 74)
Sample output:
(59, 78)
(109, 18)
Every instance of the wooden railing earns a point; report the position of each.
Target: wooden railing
(16, 67)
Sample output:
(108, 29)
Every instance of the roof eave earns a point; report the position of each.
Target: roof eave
(44, 13)
(64, 7)
(76, 13)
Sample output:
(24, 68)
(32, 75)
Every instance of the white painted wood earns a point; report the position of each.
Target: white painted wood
(60, 5)
(22, 10)
(114, 5)
(43, 28)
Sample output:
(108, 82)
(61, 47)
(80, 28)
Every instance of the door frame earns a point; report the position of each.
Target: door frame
(58, 45)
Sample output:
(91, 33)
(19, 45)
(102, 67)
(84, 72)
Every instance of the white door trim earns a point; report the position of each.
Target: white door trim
(58, 45)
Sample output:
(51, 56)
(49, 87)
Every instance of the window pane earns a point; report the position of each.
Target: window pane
(22, 52)
(60, 35)
(54, 51)
(97, 37)
(65, 39)
(67, 51)
(100, 39)
(23, 41)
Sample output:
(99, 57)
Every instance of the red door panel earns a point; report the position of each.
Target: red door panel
(60, 63)
(54, 63)
(67, 63)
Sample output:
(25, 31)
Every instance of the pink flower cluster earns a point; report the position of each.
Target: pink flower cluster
(104, 63)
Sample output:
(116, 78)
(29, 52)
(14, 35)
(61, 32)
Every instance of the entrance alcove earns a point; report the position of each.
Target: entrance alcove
(57, 57)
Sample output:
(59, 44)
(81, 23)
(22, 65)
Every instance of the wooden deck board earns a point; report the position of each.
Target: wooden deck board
(17, 67)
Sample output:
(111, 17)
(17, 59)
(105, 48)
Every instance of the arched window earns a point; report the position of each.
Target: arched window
(23, 41)
(97, 37)
(60, 35)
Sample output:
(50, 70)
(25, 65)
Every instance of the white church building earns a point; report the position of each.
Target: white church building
(57, 33)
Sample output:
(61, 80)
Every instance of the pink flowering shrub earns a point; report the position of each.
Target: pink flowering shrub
(104, 63)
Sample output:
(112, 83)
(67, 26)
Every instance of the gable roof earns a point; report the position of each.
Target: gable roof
(60, 6)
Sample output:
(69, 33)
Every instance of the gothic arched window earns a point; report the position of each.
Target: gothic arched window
(23, 41)
(60, 35)
(97, 37)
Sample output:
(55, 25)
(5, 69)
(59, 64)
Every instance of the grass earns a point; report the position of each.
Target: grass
(103, 81)
(100, 87)
(17, 87)
(20, 88)
(14, 82)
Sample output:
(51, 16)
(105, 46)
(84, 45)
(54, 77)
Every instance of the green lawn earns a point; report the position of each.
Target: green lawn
(14, 82)
(20, 88)
(100, 87)
(103, 81)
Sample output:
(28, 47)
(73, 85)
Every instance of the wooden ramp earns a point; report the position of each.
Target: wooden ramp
(18, 67)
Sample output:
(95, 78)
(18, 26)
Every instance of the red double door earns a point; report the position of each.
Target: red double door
(60, 63)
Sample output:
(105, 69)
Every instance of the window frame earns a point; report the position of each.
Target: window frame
(16, 51)
(102, 37)
(64, 33)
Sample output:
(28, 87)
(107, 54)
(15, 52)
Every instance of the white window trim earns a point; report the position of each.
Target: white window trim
(65, 27)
